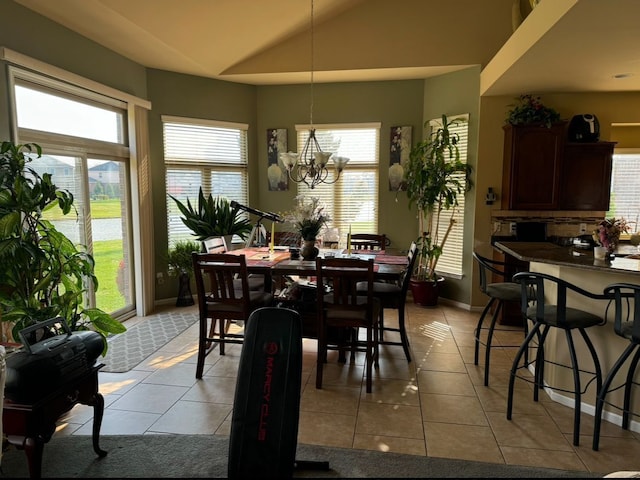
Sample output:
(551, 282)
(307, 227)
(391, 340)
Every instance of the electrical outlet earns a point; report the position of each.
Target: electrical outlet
(583, 228)
(160, 278)
(512, 227)
(497, 226)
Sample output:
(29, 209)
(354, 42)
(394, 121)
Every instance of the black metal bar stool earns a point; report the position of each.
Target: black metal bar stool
(498, 293)
(545, 316)
(627, 325)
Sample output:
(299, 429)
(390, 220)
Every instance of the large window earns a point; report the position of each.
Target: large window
(625, 194)
(450, 262)
(352, 202)
(202, 153)
(84, 140)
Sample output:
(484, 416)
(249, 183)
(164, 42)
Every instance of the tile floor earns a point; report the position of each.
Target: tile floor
(435, 406)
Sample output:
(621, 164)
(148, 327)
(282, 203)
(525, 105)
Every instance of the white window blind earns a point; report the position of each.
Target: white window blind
(353, 200)
(202, 153)
(625, 195)
(450, 261)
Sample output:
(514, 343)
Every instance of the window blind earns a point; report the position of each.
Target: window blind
(353, 200)
(211, 155)
(450, 261)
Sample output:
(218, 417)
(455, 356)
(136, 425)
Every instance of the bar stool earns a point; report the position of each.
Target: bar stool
(626, 325)
(499, 292)
(545, 316)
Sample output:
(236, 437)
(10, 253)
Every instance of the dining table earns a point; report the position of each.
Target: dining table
(388, 264)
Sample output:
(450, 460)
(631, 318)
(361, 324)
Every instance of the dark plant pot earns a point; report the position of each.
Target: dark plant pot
(185, 298)
(309, 251)
(425, 292)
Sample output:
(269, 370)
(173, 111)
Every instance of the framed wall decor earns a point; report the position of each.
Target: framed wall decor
(400, 147)
(276, 172)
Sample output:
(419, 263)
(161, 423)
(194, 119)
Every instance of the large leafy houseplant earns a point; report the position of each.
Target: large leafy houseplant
(213, 217)
(435, 176)
(43, 274)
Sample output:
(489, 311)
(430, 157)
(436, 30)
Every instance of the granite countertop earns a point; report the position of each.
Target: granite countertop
(545, 252)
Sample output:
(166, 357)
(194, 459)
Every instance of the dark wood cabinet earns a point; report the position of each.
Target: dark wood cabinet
(532, 163)
(544, 172)
(586, 176)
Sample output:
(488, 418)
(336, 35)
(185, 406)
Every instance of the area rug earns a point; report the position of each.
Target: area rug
(128, 349)
(199, 456)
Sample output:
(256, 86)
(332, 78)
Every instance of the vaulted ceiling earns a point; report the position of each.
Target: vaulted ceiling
(561, 45)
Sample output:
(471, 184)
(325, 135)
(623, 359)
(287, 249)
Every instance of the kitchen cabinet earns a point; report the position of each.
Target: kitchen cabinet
(531, 171)
(542, 171)
(586, 176)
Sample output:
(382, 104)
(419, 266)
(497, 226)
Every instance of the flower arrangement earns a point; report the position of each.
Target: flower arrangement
(530, 110)
(308, 217)
(607, 234)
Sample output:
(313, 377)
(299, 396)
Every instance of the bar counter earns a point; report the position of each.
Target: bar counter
(578, 267)
(550, 253)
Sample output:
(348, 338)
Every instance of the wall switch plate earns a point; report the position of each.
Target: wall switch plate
(583, 228)
(160, 278)
(512, 227)
(497, 226)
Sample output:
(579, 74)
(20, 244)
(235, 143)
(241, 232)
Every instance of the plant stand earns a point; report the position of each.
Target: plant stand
(185, 298)
(28, 426)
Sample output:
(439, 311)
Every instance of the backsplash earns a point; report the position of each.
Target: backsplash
(559, 223)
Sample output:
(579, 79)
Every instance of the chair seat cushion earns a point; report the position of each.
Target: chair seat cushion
(349, 314)
(256, 299)
(256, 282)
(575, 318)
(506, 291)
(380, 288)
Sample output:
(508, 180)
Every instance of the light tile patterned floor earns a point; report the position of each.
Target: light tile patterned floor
(435, 406)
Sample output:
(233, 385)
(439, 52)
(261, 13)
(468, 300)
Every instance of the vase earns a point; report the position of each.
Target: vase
(309, 251)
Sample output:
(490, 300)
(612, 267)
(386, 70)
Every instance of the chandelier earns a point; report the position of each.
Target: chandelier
(312, 162)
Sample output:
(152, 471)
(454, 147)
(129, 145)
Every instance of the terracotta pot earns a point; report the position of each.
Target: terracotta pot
(425, 292)
(309, 251)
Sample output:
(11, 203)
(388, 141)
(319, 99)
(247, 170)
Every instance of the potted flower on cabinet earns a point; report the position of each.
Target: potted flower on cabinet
(180, 261)
(308, 218)
(213, 217)
(531, 111)
(435, 176)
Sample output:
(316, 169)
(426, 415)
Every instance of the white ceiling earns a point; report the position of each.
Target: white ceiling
(561, 46)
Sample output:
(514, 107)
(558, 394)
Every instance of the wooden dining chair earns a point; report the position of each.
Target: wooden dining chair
(368, 241)
(219, 245)
(343, 306)
(221, 302)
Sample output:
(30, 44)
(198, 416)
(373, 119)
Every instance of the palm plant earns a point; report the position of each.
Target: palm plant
(434, 181)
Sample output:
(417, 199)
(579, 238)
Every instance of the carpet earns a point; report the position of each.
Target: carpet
(191, 456)
(128, 349)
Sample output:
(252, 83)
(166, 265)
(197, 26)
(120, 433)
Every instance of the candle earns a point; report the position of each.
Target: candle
(273, 237)
(349, 241)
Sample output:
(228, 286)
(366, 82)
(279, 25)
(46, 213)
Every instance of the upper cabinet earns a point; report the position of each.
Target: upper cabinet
(541, 171)
(586, 176)
(531, 168)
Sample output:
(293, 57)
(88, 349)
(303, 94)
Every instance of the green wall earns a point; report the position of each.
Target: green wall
(181, 95)
(391, 103)
(453, 94)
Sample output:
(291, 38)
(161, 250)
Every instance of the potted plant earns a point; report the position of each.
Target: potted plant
(531, 111)
(44, 274)
(180, 262)
(434, 181)
(213, 217)
(308, 218)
